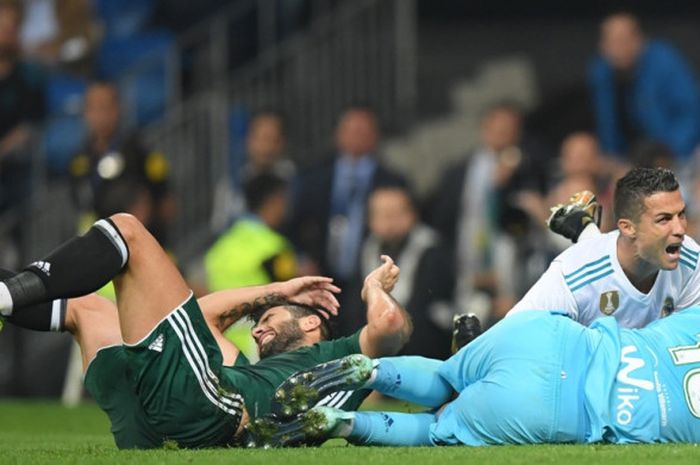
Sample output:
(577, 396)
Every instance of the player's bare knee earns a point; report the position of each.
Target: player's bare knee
(130, 228)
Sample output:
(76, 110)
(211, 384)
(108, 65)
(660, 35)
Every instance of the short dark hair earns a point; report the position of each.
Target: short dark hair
(259, 188)
(298, 311)
(398, 185)
(636, 185)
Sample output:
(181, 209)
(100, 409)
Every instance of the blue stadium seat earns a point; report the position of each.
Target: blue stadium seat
(146, 95)
(144, 87)
(238, 122)
(116, 55)
(62, 138)
(123, 18)
(65, 94)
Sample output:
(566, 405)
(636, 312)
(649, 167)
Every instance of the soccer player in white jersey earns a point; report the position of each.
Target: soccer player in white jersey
(638, 273)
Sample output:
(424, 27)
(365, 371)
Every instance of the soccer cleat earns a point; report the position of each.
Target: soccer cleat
(304, 388)
(570, 219)
(465, 328)
(310, 429)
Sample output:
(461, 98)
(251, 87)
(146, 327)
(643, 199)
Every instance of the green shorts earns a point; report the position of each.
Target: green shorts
(107, 382)
(166, 387)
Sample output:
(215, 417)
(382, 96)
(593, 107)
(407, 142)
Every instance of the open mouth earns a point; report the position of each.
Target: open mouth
(673, 250)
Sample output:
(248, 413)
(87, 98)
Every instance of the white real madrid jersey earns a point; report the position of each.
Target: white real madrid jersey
(587, 282)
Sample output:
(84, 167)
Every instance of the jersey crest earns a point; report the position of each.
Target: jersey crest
(668, 307)
(609, 302)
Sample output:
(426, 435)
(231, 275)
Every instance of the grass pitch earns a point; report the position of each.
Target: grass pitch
(46, 433)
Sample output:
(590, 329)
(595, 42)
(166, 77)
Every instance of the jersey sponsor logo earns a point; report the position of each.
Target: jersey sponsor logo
(44, 267)
(628, 393)
(157, 345)
(668, 307)
(609, 302)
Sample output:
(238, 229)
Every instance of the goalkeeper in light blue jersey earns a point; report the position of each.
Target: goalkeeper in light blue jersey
(535, 377)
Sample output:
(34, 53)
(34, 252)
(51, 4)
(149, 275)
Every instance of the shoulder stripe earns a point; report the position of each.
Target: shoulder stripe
(688, 255)
(692, 253)
(573, 281)
(687, 263)
(594, 278)
(587, 265)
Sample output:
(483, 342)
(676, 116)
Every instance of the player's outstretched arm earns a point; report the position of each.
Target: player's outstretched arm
(224, 308)
(388, 324)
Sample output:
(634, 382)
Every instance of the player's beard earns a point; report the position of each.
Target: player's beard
(288, 337)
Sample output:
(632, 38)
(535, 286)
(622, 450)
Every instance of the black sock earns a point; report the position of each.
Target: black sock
(46, 316)
(82, 265)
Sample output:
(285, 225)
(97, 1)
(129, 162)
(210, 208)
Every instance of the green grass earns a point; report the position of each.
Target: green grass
(46, 433)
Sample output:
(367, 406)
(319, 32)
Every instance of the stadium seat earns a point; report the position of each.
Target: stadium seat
(123, 18)
(117, 55)
(65, 94)
(138, 64)
(238, 122)
(146, 95)
(62, 138)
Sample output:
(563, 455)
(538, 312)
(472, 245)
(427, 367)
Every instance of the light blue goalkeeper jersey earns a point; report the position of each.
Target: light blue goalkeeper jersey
(643, 385)
(539, 377)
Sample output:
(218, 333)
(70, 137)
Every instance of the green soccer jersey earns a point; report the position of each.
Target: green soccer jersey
(258, 382)
(110, 380)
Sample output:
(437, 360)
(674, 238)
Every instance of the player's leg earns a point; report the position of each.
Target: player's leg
(94, 323)
(150, 286)
(91, 319)
(360, 428)
(77, 267)
(413, 379)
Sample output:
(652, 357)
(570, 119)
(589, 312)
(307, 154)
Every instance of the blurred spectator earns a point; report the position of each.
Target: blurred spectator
(60, 33)
(252, 251)
(111, 154)
(583, 167)
(329, 213)
(265, 145)
(476, 210)
(427, 281)
(642, 89)
(22, 104)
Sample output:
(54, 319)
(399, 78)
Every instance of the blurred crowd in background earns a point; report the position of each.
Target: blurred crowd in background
(474, 240)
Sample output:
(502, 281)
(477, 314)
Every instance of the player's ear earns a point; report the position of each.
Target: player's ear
(627, 228)
(310, 323)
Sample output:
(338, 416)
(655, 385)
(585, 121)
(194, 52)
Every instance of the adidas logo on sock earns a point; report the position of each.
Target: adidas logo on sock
(157, 345)
(43, 266)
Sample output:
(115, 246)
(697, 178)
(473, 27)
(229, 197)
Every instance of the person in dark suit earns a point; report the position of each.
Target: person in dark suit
(328, 222)
(426, 286)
